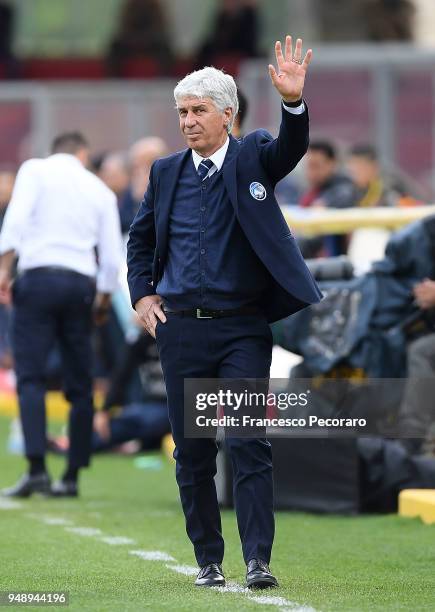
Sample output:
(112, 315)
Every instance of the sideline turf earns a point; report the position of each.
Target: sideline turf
(331, 563)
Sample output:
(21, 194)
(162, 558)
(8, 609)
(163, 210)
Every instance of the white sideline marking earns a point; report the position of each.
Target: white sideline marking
(85, 531)
(271, 600)
(117, 540)
(265, 600)
(234, 587)
(55, 520)
(231, 587)
(187, 570)
(297, 608)
(152, 555)
(281, 603)
(9, 504)
(161, 513)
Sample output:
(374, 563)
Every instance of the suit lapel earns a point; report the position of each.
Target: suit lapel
(229, 171)
(168, 182)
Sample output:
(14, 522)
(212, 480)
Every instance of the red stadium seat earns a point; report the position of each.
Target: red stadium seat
(76, 68)
(140, 68)
(228, 62)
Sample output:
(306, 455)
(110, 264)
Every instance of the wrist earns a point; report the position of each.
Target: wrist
(292, 102)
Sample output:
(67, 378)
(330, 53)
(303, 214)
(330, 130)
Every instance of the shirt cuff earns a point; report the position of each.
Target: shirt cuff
(294, 110)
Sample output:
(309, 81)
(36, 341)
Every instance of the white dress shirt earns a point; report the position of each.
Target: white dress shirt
(59, 212)
(218, 156)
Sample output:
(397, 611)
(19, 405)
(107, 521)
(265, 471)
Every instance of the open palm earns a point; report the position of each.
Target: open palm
(290, 78)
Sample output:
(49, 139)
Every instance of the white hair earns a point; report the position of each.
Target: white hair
(210, 83)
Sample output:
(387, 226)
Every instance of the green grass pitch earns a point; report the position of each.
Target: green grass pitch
(323, 562)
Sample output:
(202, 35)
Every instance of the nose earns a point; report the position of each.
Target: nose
(190, 119)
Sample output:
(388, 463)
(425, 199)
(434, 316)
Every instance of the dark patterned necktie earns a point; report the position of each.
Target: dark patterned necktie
(204, 168)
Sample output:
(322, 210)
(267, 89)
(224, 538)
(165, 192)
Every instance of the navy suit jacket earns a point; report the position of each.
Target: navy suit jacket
(258, 157)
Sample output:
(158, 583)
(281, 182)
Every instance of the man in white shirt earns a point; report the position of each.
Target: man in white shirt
(59, 215)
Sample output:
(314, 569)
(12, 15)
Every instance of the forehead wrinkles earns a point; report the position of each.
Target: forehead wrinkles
(194, 102)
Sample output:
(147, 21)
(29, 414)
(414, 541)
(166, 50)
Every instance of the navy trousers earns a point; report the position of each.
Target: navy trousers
(230, 347)
(50, 305)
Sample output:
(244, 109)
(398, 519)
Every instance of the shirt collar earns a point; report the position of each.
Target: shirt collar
(217, 158)
(68, 157)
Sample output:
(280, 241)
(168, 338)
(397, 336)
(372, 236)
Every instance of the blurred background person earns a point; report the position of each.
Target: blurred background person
(143, 33)
(240, 118)
(328, 187)
(417, 409)
(373, 187)
(7, 180)
(133, 417)
(7, 23)
(58, 215)
(234, 31)
(141, 156)
(389, 20)
(131, 413)
(115, 173)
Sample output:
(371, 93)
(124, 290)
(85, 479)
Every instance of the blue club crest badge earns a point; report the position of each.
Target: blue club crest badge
(257, 191)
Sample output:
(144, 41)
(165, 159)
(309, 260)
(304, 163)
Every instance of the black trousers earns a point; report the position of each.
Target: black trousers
(231, 347)
(51, 305)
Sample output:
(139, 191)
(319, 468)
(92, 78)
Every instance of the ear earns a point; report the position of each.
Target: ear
(228, 114)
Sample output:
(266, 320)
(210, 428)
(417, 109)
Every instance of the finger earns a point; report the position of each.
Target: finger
(152, 320)
(298, 49)
(273, 75)
(159, 312)
(279, 55)
(307, 58)
(288, 48)
(143, 322)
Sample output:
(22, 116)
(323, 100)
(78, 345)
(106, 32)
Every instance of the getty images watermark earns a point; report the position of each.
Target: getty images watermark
(226, 398)
(319, 407)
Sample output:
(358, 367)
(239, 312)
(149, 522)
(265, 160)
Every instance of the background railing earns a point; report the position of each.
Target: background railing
(382, 94)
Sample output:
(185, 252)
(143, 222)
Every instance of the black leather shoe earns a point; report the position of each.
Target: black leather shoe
(210, 575)
(27, 485)
(258, 575)
(64, 488)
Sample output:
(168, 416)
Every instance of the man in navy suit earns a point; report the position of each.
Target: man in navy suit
(211, 262)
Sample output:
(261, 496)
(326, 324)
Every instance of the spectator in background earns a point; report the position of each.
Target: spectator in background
(6, 31)
(115, 173)
(143, 32)
(141, 418)
(7, 180)
(389, 20)
(239, 120)
(234, 31)
(144, 416)
(141, 156)
(327, 188)
(417, 410)
(58, 216)
(372, 189)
